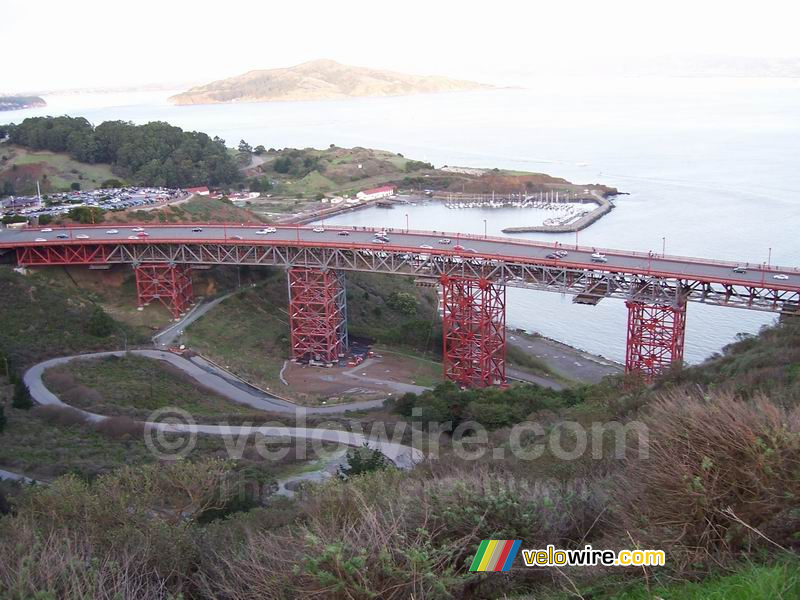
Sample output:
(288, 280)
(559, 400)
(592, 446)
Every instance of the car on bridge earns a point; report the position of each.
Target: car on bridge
(780, 277)
(599, 257)
(553, 255)
(739, 269)
(444, 241)
(82, 236)
(138, 229)
(318, 230)
(197, 229)
(343, 233)
(62, 236)
(112, 231)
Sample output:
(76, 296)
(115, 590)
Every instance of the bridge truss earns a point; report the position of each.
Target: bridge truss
(473, 290)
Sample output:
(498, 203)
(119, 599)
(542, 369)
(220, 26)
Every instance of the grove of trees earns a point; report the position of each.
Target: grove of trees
(157, 154)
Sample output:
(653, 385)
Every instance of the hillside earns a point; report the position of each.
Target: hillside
(319, 80)
(21, 168)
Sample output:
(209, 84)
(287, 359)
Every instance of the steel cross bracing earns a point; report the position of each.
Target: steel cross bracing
(655, 338)
(515, 272)
(169, 283)
(473, 331)
(317, 314)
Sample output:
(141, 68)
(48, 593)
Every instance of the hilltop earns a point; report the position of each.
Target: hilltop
(20, 102)
(319, 80)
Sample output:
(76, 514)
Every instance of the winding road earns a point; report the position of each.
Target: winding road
(404, 457)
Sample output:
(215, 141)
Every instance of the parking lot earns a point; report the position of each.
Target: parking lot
(108, 199)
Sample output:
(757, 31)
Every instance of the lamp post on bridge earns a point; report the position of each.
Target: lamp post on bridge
(663, 247)
(485, 230)
(407, 228)
(769, 258)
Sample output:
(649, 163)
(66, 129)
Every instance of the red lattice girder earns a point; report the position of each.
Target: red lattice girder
(655, 338)
(474, 331)
(171, 284)
(317, 314)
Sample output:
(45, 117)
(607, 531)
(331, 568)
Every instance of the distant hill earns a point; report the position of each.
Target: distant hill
(319, 80)
(19, 102)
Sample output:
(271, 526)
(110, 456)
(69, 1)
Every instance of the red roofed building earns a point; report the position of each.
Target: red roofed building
(200, 191)
(375, 193)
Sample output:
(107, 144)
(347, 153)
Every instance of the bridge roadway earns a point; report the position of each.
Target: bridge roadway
(757, 288)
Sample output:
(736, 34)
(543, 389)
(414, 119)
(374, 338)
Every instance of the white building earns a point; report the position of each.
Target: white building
(375, 193)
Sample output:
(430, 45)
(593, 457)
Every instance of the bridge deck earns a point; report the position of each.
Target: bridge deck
(522, 263)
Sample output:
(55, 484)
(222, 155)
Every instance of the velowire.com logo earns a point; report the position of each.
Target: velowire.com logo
(495, 555)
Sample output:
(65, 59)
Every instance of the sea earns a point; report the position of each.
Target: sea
(710, 167)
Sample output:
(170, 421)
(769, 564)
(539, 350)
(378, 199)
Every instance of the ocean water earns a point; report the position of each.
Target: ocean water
(711, 166)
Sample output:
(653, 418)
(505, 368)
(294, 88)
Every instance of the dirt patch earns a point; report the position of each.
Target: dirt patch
(377, 378)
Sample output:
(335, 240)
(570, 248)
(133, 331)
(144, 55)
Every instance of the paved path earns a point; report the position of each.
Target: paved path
(403, 456)
(165, 338)
(16, 477)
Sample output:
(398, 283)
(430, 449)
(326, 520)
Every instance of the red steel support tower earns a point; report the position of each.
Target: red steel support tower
(474, 331)
(655, 338)
(169, 283)
(317, 314)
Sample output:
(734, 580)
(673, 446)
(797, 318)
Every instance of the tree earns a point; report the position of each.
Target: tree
(86, 215)
(259, 150)
(45, 219)
(22, 396)
(245, 147)
(363, 460)
(8, 188)
(75, 186)
(100, 324)
(2, 418)
(111, 183)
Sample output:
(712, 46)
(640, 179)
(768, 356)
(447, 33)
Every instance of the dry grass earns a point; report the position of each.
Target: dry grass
(710, 455)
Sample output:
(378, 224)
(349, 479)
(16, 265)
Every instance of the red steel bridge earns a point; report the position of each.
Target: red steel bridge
(473, 272)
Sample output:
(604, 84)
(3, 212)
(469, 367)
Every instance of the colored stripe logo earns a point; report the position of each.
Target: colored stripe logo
(495, 555)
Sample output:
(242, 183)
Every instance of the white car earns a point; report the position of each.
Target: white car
(138, 229)
(47, 230)
(599, 258)
(40, 240)
(82, 236)
(781, 277)
(444, 241)
(112, 231)
(262, 232)
(132, 237)
(426, 247)
(318, 230)
(271, 230)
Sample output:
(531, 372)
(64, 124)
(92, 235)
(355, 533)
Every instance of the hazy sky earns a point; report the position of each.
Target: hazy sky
(54, 44)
